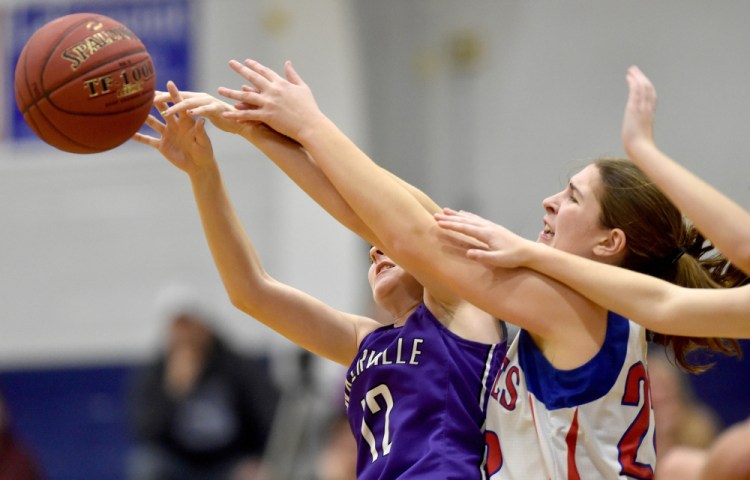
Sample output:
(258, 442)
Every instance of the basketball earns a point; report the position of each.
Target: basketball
(84, 83)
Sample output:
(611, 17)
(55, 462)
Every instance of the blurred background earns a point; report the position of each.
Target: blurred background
(487, 105)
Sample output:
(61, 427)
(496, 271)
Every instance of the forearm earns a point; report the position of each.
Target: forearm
(373, 193)
(654, 303)
(722, 220)
(295, 162)
(299, 317)
(233, 253)
(423, 199)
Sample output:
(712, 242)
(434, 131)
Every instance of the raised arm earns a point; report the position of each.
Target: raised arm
(654, 303)
(408, 232)
(299, 317)
(719, 218)
(286, 153)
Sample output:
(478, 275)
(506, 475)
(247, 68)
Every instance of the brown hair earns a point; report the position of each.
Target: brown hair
(662, 243)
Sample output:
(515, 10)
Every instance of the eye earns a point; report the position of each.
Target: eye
(572, 198)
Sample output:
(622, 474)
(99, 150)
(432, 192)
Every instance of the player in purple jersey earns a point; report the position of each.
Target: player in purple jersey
(418, 386)
(609, 212)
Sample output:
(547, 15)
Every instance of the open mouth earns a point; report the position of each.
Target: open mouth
(383, 267)
(547, 233)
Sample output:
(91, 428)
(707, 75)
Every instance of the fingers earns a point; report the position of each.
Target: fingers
(249, 97)
(291, 74)
(250, 72)
(146, 140)
(155, 124)
(201, 137)
(464, 228)
(460, 216)
(174, 93)
(243, 115)
(268, 74)
(642, 96)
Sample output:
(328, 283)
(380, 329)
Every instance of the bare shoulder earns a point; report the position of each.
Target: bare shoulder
(467, 321)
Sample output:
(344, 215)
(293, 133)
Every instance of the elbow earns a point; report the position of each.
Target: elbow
(407, 246)
(248, 295)
(409, 240)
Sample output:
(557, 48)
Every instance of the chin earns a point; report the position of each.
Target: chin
(544, 240)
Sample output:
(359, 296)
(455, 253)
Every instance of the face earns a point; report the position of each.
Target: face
(389, 282)
(188, 331)
(572, 220)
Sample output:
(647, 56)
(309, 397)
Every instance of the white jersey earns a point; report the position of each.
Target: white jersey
(591, 422)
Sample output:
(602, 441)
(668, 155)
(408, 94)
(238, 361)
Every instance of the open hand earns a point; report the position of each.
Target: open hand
(500, 246)
(182, 139)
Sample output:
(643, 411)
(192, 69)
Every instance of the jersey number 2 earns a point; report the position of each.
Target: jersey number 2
(633, 438)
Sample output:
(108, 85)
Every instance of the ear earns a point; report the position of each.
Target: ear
(612, 244)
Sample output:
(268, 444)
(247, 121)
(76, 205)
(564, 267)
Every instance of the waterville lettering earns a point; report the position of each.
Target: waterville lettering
(406, 352)
(82, 51)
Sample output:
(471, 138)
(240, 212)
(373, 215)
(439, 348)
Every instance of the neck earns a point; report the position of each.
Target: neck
(402, 313)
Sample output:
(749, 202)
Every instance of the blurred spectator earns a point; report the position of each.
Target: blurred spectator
(338, 457)
(681, 419)
(200, 411)
(16, 461)
(685, 427)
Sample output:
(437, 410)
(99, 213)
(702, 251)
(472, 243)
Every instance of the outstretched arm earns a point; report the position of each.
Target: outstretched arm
(408, 232)
(301, 318)
(654, 303)
(286, 153)
(719, 218)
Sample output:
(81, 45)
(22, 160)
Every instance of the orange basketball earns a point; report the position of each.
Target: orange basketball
(84, 83)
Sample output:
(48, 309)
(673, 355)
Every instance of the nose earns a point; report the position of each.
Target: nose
(551, 203)
(375, 253)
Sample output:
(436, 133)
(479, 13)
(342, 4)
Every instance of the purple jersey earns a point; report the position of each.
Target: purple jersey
(416, 397)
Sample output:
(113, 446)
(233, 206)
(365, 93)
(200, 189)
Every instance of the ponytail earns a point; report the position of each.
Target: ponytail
(662, 244)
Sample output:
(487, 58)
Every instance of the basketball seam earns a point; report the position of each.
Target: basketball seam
(44, 64)
(61, 133)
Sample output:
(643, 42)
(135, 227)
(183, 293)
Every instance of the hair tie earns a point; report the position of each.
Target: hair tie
(678, 254)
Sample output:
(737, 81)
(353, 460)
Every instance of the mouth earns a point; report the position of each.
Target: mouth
(547, 234)
(383, 267)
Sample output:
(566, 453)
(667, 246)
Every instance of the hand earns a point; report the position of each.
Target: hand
(182, 140)
(201, 104)
(286, 104)
(500, 246)
(638, 124)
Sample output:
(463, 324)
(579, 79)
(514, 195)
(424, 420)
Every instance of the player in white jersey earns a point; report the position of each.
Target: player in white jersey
(659, 305)
(592, 422)
(609, 212)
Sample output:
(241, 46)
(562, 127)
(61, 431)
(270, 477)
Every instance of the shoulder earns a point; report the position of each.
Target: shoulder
(467, 321)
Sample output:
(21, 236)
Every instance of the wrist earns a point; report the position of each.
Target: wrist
(534, 254)
(639, 146)
(205, 175)
(314, 130)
